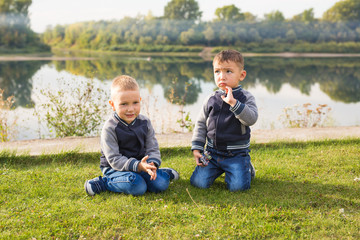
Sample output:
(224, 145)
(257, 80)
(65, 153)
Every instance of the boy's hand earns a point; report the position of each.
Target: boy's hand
(229, 98)
(153, 177)
(149, 168)
(197, 155)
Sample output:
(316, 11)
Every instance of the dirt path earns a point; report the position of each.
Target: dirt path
(91, 144)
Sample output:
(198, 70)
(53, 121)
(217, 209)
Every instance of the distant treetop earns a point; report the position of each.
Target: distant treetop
(346, 10)
(182, 10)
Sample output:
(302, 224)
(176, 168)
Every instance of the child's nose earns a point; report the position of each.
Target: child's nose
(222, 75)
(130, 107)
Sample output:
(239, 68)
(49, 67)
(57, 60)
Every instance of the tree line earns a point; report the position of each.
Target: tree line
(181, 29)
(181, 26)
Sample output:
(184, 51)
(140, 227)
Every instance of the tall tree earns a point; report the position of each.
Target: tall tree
(15, 24)
(346, 10)
(275, 16)
(229, 13)
(249, 17)
(305, 16)
(15, 6)
(182, 10)
(15, 11)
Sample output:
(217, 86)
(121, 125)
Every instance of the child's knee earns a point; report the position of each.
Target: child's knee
(234, 186)
(159, 185)
(137, 185)
(199, 182)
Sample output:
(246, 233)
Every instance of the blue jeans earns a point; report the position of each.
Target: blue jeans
(235, 165)
(134, 183)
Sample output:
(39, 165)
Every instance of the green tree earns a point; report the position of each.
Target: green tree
(15, 29)
(226, 36)
(346, 10)
(191, 37)
(249, 17)
(229, 13)
(305, 16)
(182, 10)
(291, 36)
(209, 34)
(15, 6)
(275, 16)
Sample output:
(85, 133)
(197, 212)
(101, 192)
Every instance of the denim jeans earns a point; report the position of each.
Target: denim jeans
(134, 183)
(235, 164)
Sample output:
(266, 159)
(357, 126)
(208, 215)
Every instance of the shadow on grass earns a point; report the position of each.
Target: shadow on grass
(265, 190)
(27, 161)
(273, 193)
(74, 157)
(294, 144)
(10, 157)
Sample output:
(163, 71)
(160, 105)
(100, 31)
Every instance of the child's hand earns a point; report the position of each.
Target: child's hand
(154, 174)
(149, 168)
(197, 155)
(229, 98)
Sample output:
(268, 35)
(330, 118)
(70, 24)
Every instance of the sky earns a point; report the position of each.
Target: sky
(52, 12)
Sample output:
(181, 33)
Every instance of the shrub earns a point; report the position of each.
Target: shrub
(74, 111)
(304, 116)
(5, 124)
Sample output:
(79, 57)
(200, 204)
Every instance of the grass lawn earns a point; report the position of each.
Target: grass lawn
(302, 190)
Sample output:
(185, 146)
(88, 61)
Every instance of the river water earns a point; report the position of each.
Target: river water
(172, 87)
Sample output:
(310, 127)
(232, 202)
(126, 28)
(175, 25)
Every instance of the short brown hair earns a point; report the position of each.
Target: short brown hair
(123, 83)
(229, 55)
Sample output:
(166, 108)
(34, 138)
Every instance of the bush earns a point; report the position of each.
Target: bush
(74, 111)
(304, 116)
(5, 124)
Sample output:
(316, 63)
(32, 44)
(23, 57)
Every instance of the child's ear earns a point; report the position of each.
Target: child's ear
(112, 104)
(243, 75)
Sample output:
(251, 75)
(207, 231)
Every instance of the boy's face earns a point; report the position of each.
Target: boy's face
(228, 74)
(126, 104)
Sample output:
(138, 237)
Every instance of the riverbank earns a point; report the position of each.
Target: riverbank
(92, 144)
(205, 54)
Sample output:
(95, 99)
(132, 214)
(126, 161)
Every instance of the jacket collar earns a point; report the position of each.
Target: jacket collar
(122, 121)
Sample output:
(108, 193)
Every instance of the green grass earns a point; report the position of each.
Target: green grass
(302, 190)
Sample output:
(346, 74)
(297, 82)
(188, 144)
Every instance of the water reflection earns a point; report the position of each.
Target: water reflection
(276, 83)
(174, 74)
(339, 78)
(16, 80)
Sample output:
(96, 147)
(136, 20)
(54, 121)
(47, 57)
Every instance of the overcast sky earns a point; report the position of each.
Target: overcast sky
(52, 12)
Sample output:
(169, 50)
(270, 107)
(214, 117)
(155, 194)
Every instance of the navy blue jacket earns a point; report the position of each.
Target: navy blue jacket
(124, 145)
(224, 127)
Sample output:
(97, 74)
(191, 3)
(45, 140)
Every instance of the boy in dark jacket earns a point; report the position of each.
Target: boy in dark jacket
(223, 126)
(130, 158)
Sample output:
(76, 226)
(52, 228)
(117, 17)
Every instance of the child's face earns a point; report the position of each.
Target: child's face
(228, 74)
(126, 104)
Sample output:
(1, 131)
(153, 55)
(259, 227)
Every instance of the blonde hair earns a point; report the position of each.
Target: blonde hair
(123, 83)
(229, 55)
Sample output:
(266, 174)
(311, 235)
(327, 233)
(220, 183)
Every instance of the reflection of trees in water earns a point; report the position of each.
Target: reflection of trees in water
(337, 77)
(16, 80)
(182, 91)
(162, 71)
(348, 83)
